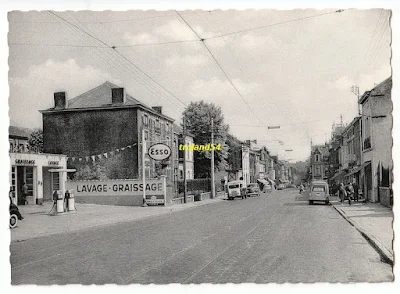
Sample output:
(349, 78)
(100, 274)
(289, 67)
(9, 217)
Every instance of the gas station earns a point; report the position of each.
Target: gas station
(42, 173)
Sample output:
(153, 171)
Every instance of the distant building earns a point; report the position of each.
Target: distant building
(377, 164)
(319, 162)
(188, 140)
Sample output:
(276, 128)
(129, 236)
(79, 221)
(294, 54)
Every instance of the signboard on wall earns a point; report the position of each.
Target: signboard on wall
(116, 187)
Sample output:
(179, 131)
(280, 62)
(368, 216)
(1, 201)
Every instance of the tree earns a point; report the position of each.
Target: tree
(197, 117)
(35, 141)
(90, 171)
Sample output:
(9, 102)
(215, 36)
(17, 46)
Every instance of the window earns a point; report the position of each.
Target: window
(317, 171)
(318, 189)
(316, 157)
(146, 135)
(145, 119)
(367, 134)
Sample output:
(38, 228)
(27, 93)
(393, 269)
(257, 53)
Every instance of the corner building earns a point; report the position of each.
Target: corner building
(102, 120)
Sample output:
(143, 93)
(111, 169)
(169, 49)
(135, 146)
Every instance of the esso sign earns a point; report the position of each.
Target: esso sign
(159, 151)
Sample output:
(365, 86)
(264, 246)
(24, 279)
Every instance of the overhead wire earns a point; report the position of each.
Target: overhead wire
(219, 65)
(274, 24)
(120, 54)
(145, 83)
(236, 61)
(107, 58)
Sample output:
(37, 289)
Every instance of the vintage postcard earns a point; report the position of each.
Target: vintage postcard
(194, 146)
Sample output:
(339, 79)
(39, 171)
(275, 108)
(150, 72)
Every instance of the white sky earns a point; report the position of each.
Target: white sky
(297, 75)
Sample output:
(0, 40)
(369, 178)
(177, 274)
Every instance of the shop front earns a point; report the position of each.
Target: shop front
(31, 180)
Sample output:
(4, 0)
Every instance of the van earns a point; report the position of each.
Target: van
(236, 189)
(319, 191)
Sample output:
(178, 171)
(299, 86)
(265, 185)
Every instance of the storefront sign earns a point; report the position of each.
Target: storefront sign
(53, 163)
(24, 162)
(159, 151)
(153, 187)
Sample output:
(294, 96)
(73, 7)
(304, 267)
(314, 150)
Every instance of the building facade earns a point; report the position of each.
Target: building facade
(106, 119)
(34, 169)
(319, 162)
(376, 173)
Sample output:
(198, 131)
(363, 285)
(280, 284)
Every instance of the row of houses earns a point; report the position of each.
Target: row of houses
(361, 152)
(251, 163)
(99, 133)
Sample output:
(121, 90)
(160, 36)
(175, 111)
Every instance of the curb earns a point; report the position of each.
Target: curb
(385, 254)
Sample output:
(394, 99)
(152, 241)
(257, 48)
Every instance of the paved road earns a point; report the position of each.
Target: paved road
(277, 238)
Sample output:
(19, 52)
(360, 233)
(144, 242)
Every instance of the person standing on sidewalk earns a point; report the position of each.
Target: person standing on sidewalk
(342, 192)
(350, 192)
(25, 193)
(355, 187)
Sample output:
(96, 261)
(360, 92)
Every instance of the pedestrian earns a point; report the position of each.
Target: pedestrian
(25, 193)
(350, 192)
(342, 192)
(355, 187)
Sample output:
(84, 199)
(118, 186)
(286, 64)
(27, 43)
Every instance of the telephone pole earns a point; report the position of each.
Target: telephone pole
(356, 91)
(184, 162)
(212, 161)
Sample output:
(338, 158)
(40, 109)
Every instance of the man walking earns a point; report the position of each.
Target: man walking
(342, 193)
(355, 187)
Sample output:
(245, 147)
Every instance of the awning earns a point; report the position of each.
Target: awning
(338, 174)
(356, 170)
(262, 181)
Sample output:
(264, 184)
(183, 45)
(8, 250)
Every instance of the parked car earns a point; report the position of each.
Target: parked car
(236, 189)
(281, 187)
(319, 191)
(253, 189)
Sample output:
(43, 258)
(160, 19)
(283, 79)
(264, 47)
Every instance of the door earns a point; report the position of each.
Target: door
(368, 182)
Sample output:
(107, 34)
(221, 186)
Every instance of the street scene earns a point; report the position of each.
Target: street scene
(200, 146)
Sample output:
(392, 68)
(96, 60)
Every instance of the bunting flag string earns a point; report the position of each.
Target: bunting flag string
(99, 157)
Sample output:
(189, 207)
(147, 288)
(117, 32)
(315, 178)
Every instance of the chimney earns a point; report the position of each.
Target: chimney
(117, 95)
(60, 100)
(158, 109)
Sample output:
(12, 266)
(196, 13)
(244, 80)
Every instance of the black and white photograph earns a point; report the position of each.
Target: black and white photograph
(200, 146)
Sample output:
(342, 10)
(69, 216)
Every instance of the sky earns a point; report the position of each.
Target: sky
(287, 68)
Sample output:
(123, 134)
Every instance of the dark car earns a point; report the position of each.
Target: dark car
(253, 189)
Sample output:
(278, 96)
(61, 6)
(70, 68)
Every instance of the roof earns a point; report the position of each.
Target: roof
(98, 97)
(383, 88)
(14, 131)
(101, 97)
(380, 90)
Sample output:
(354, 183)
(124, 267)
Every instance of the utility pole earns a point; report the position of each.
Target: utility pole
(144, 168)
(184, 162)
(212, 161)
(356, 91)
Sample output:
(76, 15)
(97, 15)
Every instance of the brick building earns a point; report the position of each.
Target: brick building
(106, 119)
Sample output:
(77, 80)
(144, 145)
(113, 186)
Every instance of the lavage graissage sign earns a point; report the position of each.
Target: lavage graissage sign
(117, 187)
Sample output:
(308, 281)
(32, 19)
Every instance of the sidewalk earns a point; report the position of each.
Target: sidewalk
(374, 222)
(37, 222)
